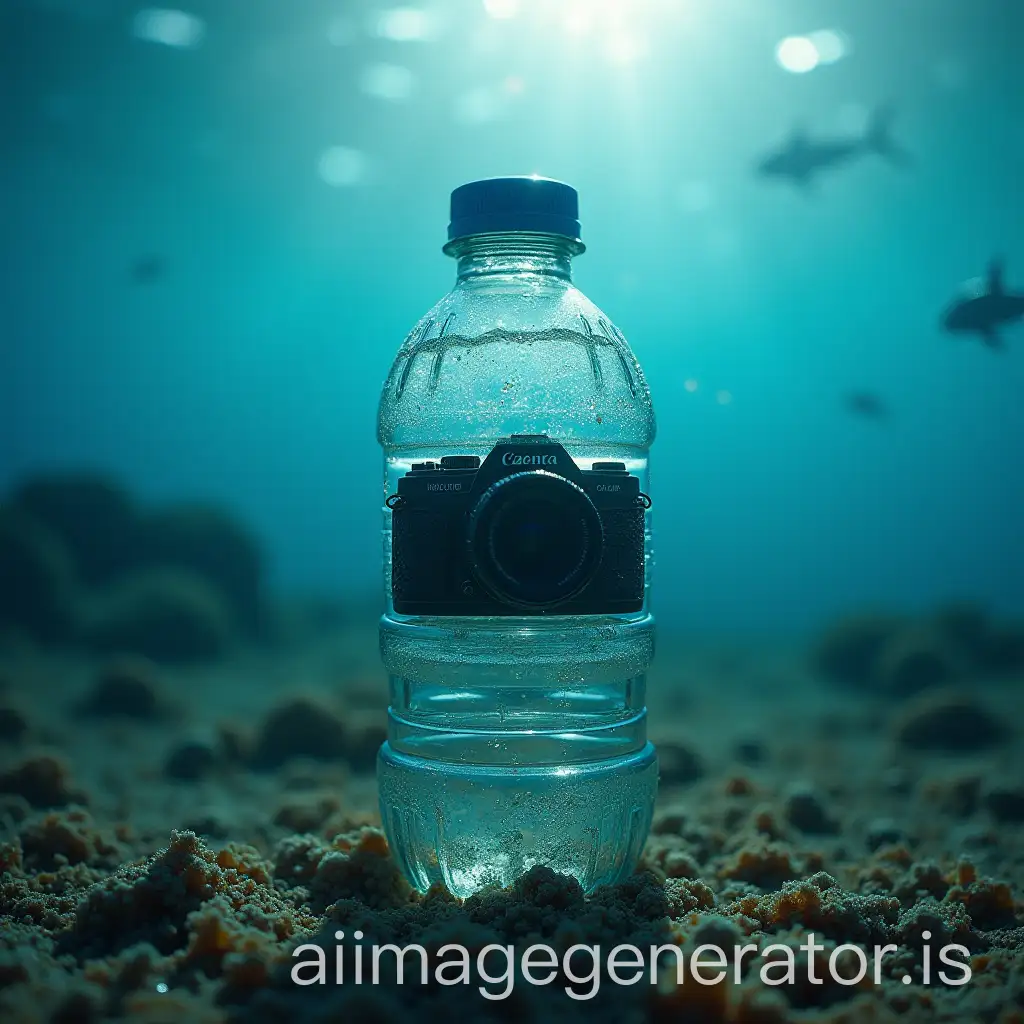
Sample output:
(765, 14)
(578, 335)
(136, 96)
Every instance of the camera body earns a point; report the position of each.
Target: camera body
(525, 532)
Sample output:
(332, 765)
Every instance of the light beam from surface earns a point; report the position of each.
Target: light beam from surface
(478, 106)
(403, 25)
(830, 45)
(170, 28)
(501, 9)
(341, 166)
(797, 54)
(341, 32)
(387, 82)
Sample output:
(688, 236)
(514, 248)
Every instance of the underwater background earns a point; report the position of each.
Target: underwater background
(219, 222)
(222, 223)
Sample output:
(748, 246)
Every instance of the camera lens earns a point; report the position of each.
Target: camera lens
(535, 539)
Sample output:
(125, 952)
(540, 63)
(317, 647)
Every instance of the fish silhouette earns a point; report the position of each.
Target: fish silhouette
(867, 405)
(984, 312)
(148, 269)
(803, 158)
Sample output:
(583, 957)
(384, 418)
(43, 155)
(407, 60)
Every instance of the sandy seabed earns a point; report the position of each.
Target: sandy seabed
(169, 835)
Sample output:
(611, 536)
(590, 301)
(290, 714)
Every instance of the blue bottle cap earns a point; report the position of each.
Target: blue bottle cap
(522, 203)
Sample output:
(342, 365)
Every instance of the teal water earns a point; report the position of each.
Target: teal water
(214, 248)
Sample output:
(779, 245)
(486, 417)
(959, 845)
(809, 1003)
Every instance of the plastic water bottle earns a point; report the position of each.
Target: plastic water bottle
(516, 424)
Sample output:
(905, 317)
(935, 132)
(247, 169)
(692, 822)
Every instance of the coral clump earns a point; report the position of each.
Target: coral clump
(190, 760)
(1004, 650)
(990, 904)
(915, 659)
(534, 905)
(212, 544)
(359, 866)
(246, 860)
(750, 751)
(669, 820)
(900, 657)
(307, 727)
(297, 858)
(921, 879)
(942, 921)
(364, 736)
(883, 832)
(674, 858)
(215, 933)
(168, 615)
(992, 648)
(11, 858)
(739, 785)
(684, 896)
(37, 592)
(958, 794)
(151, 902)
(91, 515)
(821, 905)
(965, 626)
(678, 763)
(13, 724)
(68, 528)
(848, 651)
(44, 781)
(68, 837)
(127, 687)
(762, 862)
(307, 815)
(146, 902)
(302, 727)
(807, 812)
(948, 720)
(1006, 802)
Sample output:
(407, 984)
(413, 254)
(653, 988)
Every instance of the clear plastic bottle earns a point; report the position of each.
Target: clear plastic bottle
(514, 738)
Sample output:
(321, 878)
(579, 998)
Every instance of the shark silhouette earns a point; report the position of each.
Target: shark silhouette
(983, 313)
(802, 158)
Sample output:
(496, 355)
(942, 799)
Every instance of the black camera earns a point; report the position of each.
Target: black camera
(527, 532)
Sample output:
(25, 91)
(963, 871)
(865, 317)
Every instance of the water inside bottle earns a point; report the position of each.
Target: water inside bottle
(516, 740)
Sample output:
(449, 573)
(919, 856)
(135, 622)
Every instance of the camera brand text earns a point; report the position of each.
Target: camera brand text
(518, 459)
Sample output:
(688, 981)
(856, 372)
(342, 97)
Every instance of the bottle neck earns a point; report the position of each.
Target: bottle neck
(514, 253)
